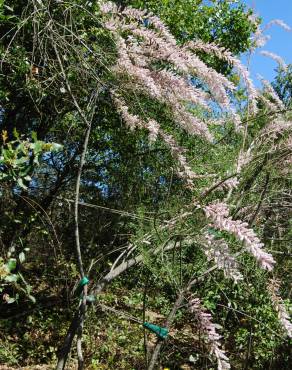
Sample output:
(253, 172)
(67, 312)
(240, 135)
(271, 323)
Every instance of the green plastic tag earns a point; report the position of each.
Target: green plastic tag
(161, 333)
(84, 281)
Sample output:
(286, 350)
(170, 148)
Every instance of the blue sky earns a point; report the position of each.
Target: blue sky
(281, 40)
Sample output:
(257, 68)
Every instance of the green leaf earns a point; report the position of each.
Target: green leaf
(57, 147)
(21, 183)
(11, 300)
(8, 8)
(16, 134)
(32, 298)
(34, 136)
(20, 161)
(11, 264)
(11, 278)
(38, 147)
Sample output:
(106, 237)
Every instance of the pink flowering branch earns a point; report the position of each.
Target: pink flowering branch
(273, 131)
(280, 23)
(218, 251)
(212, 338)
(151, 41)
(275, 57)
(268, 88)
(284, 318)
(218, 213)
(178, 153)
(227, 56)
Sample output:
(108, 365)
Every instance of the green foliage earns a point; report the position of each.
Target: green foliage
(283, 84)
(10, 277)
(19, 157)
(226, 24)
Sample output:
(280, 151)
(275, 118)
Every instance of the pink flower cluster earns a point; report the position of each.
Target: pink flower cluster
(218, 213)
(153, 20)
(284, 318)
(243, 159)
(273, 131)
(133, 122)
(178, 153)
(211, 336)
(218, 250)
(259, 38)
(275, 57)
(229, 184)
(143, 40)
(280, 23)
(268, 103)
(226, 55)
(268, 88)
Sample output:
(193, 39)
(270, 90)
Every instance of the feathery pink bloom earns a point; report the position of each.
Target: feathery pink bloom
(108, 7)
(268, 104)
(132, 121)
(143, 40)
(243, 159)
(275, 57)
(178, 153)
(212, 338)
(273, 131)
(143, 75)
(227, 56)
(190, 123)
(157, 84)
(153, 20)
(260, 39)
(268, 88)
(218, 213)
(218, 250)
(178, 87)
(236, 120)
(278, 22)
(229, 184)
(134, 13)
(284, 318)
(154, 129)
(188, 63)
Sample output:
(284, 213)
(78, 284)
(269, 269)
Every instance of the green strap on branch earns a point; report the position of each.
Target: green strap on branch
(84, 281)
(161, 333)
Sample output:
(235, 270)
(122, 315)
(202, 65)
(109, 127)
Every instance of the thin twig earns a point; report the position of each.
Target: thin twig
(261, 199)
(81, 312)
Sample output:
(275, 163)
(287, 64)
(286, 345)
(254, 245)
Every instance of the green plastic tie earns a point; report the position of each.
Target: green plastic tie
(161, 333)
(84, 281)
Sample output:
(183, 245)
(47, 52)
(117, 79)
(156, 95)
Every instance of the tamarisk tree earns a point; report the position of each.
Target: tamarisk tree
(127, 86)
